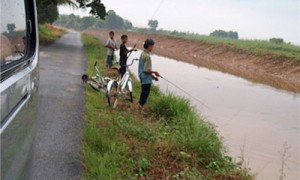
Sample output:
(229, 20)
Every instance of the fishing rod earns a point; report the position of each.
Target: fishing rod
(144, 31)
(132, 50)
(187, 93)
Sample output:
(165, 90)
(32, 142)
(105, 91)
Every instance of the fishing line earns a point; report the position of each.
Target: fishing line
(157, 9)
(187, 93)
(144, 31)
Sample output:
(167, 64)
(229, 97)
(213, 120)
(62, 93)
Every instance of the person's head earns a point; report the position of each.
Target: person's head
(111, 34)
(124, 38)
(149, 44)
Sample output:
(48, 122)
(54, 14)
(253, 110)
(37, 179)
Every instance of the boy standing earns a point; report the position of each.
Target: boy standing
(146, 74)
(124, 54)
(111, 47)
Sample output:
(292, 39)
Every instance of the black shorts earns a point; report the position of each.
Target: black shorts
(123, 67)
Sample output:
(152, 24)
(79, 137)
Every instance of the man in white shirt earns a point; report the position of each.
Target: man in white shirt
(111, 47)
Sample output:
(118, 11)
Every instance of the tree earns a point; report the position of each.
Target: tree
(48, 11)
(224, 34)
(11, 28)
(219, 33)
(233, 35)
(277, 40)
(127, 25)
(113, 21)
(97, 8)
(99, 23)
(153, 24)
(87, 22)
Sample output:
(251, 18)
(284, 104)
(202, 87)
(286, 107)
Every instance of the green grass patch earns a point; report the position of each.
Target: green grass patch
(48, 33)
(170, 142)
(258, 47)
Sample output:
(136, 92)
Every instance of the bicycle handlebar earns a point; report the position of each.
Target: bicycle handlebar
(95, 63)
(136, 59)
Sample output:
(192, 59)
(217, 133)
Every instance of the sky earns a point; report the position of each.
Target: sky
(252, 19)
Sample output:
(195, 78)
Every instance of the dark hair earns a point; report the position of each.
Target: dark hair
(124, 36)
(111, 32)
(148, 42)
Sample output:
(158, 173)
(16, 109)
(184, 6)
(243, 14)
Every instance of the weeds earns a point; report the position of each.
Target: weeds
(284, 158)
(171, 141)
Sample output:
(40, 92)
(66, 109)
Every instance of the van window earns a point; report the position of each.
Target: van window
(13, 31)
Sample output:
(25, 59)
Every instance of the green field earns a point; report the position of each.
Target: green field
(170, 141)
(259, 47)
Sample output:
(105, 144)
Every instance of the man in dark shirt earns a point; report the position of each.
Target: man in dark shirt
(124, 54)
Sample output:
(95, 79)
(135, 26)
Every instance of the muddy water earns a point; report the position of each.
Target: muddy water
(255, 120)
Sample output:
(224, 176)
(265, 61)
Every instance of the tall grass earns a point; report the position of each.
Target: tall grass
(170, 141)
(190, 129)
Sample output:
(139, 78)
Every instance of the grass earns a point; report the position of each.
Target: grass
(258, 47)
(283, 51)
(170, 142)
(49, 33)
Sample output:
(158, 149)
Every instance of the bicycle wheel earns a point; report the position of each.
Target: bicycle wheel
(112, 95)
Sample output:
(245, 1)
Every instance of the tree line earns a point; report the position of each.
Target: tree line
(224, 34)
(48, 9)
(48, 13)
(111, 21)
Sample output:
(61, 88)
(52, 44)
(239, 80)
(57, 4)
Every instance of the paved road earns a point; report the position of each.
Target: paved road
(57, 149)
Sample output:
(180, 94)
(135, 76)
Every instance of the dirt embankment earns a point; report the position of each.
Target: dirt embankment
(258, 68)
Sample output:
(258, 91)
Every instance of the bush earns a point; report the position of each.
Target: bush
(277, 40)
(191, 130)
(224, 34)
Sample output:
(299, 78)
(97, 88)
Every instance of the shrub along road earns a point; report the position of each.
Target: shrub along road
(57, 149)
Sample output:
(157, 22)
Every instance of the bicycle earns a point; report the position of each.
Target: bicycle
(117, 88)
(98, 82)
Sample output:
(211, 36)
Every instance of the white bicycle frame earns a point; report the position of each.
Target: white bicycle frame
(100, 79)
(125, 81)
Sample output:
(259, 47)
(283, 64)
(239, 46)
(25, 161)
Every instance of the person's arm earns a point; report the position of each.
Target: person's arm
(132, 49)
(125, 50)
(155, 77)
(148, 68)
(108, 44)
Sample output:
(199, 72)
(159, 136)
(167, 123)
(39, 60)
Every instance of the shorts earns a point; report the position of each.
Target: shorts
(109, 61)
(123, 67)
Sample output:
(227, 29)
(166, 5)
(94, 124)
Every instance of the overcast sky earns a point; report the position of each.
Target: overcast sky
(252, 19)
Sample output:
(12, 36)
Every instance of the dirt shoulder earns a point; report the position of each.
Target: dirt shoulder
(278, 71)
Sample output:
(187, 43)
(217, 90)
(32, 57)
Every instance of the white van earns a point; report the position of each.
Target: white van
(19, 84)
